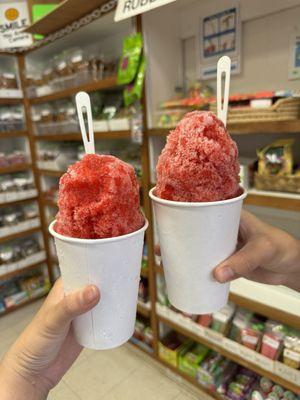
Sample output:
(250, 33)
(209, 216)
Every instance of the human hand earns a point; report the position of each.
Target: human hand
(264, 254)
(47, 348)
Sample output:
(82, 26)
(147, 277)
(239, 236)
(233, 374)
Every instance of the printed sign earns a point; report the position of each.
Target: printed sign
(129, 8)
(220, 35)
(294, 69)
(14, 18)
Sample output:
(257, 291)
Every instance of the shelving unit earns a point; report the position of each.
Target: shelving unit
(268, 304)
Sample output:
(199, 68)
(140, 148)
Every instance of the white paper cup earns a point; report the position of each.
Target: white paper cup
(113, 265)
(194, 238)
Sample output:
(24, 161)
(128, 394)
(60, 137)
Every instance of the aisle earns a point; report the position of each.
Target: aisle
(120, 374)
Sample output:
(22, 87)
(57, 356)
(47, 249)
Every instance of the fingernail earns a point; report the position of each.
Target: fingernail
(90, 294)
(225, 274)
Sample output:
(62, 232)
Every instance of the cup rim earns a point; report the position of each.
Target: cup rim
(196, 204)
(95, 241)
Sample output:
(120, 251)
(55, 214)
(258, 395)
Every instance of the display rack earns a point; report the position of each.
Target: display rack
(58, 19)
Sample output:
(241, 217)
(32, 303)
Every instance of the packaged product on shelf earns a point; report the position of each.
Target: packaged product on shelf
(205, 320)
(8, 80)
(241, 385)
(221, 319)
(35, 285)
(170, 347)
(80, 65)
(129, 63)
(291, 351)
(48, 75)
(139, 328)
(133, 92)
(191, 357)
(148, 336)
(15, 299)
(11, 119)
(239, 322)
(143, 294)
(272, 340)
(47, 114)
(214, 370)
(276, 158)
(251, 335)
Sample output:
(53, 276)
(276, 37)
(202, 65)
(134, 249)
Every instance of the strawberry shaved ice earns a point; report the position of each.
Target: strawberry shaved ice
(199, 162)
(98, 198)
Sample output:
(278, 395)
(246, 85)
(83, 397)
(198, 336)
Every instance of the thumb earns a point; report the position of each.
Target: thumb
(243, 262)
(62, 312)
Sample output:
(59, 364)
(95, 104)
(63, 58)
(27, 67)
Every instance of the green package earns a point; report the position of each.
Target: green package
(130, 60)
(191, 357)
(133, 92)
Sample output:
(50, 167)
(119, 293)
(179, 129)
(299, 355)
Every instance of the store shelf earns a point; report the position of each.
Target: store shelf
(143, 308)
(215, 345)
(76, 137)
(49, 202)
(189, 379)
(20, 271)
(247, 128)
(16, 202)
(275, 302)
(24, 303)
(10, 100)
(66, 13)
(51, 172)
(19, 234)
(283, 201)
(11, 134)
(106, 83)
(15, 168)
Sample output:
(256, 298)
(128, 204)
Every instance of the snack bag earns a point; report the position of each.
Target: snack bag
(128, 67)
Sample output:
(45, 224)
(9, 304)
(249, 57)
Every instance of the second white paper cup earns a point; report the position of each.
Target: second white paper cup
(113, 265)
(194, 238)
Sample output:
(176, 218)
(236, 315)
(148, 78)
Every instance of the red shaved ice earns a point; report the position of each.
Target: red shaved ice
(98, 198)
(199, 162)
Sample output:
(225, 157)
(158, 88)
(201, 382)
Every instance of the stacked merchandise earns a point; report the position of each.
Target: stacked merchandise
(20, 290)
(16, 186)
(15, 157)
(216, 373)
(69, 69)
(20, 253)
(143, 335)
(11, 119)
(18, 218)
(272, 339)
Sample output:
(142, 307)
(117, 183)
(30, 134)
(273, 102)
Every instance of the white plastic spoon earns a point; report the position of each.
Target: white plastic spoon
(224, 67)
(83, 105)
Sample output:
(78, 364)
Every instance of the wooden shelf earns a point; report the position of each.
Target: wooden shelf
(279, 127)
(49, 203)
(15, 168)
(10, 101)
(21, 271)
(283, 201)
(10, 134)
(19, 234)
(106, 83)
(51, 172)
(24, 303)
(142, 309)
(76, 137)
(191, 380)
(275, 302)
(64, 14)
(16, 202)
(144, 272)
(229, 355)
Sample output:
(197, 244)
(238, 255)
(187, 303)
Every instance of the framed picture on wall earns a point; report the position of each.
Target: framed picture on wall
(220, 34)
(294, 67)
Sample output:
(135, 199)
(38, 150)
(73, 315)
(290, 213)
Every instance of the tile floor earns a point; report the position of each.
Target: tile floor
(125, 373)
